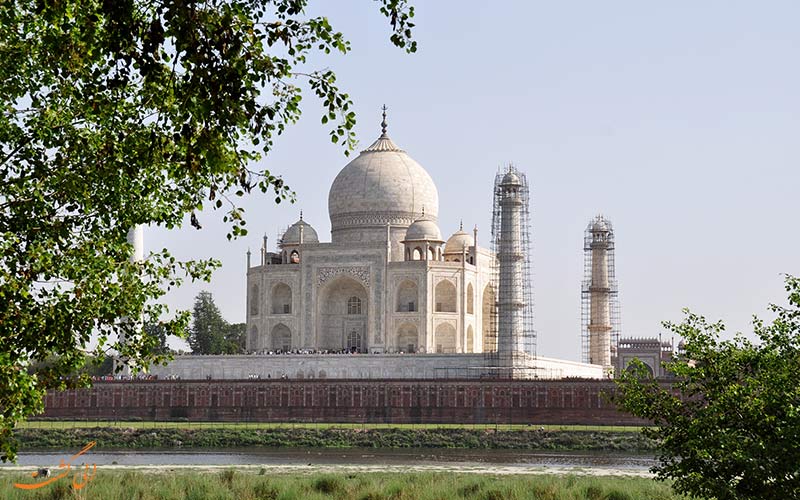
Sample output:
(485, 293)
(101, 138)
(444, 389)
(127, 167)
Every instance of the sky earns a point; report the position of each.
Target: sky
(678, 121)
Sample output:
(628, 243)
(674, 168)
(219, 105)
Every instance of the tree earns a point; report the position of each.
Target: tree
(158, 332)
(210, 333)
(729, 427)
(127, 112)
(235, 338)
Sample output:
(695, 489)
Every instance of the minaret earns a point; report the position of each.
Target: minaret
(511, 298)
(598, 243)
(135, 238)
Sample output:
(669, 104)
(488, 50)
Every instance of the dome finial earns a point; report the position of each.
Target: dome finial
(423, 210)
(461, 225)
(383, 123)
(301, 215)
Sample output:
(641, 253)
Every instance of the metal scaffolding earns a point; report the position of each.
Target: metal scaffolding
(600, 309)
(510, 347)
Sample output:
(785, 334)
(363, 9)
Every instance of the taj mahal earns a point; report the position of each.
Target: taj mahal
(388, 296)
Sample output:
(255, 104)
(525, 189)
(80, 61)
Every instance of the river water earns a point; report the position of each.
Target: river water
(358, 459)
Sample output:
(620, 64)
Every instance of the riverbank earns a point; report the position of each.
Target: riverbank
(265, 484)
(142, 438)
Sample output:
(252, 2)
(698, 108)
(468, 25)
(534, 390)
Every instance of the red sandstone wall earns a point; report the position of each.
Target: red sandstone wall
(398, 401)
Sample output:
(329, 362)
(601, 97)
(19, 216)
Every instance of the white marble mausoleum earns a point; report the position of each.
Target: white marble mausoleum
(388, 289)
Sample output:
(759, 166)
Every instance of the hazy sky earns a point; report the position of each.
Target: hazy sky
(677, 120)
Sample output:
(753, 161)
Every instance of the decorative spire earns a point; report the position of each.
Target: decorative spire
(383, 123)
(423, 210)
(301, 215)
(461, 225)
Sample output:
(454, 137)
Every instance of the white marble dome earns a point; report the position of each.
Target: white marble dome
(424, 229)
(383, 185)
(458, 241)
(292, 235)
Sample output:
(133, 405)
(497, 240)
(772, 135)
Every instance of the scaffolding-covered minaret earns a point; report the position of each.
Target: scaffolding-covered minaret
(514, 334)
(600, 323)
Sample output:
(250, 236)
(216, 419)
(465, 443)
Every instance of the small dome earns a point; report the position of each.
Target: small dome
(458, 241)
(292, 235)
(599, 225)
(511, 178)
(424, 229)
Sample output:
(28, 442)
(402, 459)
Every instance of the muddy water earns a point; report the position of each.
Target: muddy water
(367, 459)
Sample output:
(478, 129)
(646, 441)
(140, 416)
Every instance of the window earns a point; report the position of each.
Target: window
(354, 340)
(353, 305)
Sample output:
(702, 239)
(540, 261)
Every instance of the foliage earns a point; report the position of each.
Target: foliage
(730, 425)
(135, 112)
(235, 338)
(210, 333)
(159, 332)
(296, 482)
(137, 435)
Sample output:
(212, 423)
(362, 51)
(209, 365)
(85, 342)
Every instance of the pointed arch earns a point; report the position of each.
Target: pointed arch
(281, 337)
(254, 300)
(342, 305)
(445, 296)
(407, 296)
(407, 338)
(470, 299)
(489, 319)
(445, 339)
(281, 299)
(252, 340)
(470, 339)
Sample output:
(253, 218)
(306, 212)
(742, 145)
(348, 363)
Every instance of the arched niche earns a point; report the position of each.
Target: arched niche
(407, 296)
(445, 339)
(470, 339)
(647, 367)
(252, 339)
(445, 296)
(407, 338)
(281, 338)
(281, 299)
(342, 307)
(470, 299)
(489, 320)
(254, 300)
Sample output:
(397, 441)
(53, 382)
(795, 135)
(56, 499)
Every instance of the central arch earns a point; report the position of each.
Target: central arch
(342, 313)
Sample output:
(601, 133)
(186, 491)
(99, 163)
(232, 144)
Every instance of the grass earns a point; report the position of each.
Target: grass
(139, 424)
(330, 437)
(234, 485)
